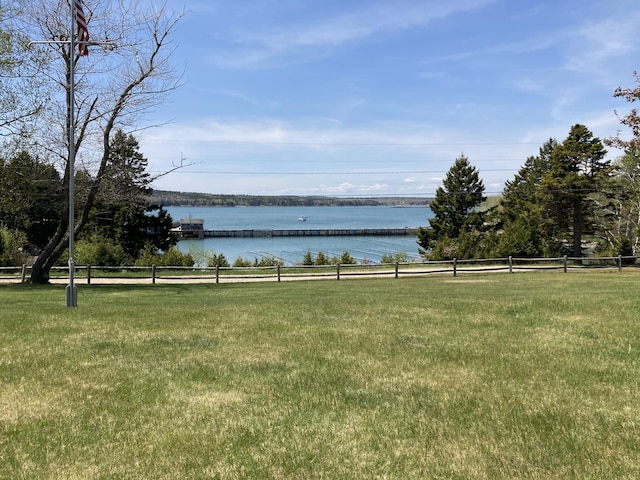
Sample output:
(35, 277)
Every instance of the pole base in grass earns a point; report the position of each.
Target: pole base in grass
(72, 295)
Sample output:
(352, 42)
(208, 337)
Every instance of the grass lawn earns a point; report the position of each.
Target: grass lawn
(531, 375)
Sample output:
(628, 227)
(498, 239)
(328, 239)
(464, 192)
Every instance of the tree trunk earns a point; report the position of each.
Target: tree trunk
(50, 254)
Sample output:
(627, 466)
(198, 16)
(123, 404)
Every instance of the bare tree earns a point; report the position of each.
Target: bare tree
(120, 80)
(628, 170)
(631, 119)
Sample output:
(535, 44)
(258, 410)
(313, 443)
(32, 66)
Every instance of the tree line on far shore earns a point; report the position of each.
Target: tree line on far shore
(195, 199)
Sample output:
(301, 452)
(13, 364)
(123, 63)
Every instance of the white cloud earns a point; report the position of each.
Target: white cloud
(599, 43)
(262, 43)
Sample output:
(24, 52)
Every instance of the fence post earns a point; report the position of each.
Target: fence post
(397, 264)
(217, 273)
(455, 267)
(510, 264)
(338, 272)
(278, 272)
(565, 264)
(619, 263)
(88, 274)
(153, 274)
(24, 273)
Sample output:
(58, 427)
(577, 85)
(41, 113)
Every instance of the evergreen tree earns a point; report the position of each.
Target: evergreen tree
(519, 217)
(455, 206)
(121, 211)
(30, 198)
(577, 170)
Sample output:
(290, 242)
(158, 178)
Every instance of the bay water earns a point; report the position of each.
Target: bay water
(291, 250)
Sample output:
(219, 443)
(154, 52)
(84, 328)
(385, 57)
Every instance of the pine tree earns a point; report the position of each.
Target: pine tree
(519, 217)
(455, 206)
(30, 198)
(577, 170)
(121, 210)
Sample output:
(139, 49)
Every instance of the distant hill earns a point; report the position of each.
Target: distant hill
(193, 199)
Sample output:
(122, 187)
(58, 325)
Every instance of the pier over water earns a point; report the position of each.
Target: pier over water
(317, 232)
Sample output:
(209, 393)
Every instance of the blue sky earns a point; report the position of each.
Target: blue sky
(378, 98)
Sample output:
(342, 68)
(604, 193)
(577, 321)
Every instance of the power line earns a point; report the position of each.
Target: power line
(345, 144)
(401, 172)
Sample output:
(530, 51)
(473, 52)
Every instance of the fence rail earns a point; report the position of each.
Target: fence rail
(155, 274)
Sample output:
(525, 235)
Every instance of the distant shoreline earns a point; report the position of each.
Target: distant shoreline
(193, 199)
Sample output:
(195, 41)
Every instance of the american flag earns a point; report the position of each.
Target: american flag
(83, 32)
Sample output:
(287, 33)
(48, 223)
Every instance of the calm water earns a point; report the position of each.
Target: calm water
(292, 249)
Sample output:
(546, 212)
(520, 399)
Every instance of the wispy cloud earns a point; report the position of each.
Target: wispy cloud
(597, 44)
(255, 46)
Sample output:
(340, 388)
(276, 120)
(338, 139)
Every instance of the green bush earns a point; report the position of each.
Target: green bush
(400, 257)
(624, 247)
(241, 262)
(308, 259)
(217, 260)
(268, 261)
(345, 259)
(11, 248)
(169, 258)
(322, 259)
(100, 252)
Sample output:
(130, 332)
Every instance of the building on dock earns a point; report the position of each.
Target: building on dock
(189, 228)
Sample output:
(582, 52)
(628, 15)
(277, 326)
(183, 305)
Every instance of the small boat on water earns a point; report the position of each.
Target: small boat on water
(302, 218)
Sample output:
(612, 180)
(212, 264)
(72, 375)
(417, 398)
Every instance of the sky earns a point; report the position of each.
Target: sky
(379, 97)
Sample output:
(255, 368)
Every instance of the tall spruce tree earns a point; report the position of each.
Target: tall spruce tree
(519, 216)
(577, 170)
(121, 211)
(454, 206)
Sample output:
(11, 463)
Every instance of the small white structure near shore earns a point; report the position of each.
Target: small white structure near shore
(189, 228)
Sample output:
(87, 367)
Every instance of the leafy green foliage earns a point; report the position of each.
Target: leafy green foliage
(100, 251)
(11, 252)
(399, 257)
(345, 259)
(268, 261)
(323, 259)
(23, 94)
(169, 258)
(217, 260)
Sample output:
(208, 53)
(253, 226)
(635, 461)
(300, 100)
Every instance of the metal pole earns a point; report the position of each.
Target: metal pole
(71, 290)
(72, 293)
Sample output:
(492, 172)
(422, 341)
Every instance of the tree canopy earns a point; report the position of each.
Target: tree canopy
(455, 206)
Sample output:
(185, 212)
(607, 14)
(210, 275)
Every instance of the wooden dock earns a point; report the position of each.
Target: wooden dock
(322, 232)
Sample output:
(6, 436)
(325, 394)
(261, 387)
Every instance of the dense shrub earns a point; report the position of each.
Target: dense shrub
(217, 260)
(99, 251)
(11, 251)
(169, 258)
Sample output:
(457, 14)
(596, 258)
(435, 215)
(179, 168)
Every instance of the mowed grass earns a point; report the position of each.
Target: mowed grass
(532, 375)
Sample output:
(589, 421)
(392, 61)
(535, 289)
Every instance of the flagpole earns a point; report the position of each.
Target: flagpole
(71, 290)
